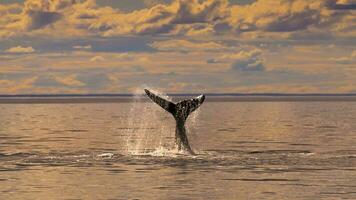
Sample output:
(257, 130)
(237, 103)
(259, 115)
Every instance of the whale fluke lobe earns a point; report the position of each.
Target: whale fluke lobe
(165, 104)
(180, 112)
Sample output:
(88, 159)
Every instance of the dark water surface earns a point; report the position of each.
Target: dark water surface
(245, 150)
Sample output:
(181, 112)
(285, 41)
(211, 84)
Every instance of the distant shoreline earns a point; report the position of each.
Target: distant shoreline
(117, 98)
(183, 95)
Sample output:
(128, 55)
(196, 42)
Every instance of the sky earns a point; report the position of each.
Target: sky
(177, 46)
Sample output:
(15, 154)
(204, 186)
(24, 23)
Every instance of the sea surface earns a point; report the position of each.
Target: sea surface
(125, 150)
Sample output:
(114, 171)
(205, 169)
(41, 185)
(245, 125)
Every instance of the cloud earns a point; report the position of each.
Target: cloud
(41, 13)
(43, 17)
(84, 47)
(79, 44)
(346, 2)
(9, 8)
(126, 56)
(20, 49)
(342, 60)
(343, 5)
(97, 59)
(68, 18)
(65, 82)
(244, 60)
(150, 3)
(70, 80)
(58, 81)
(185, 45)
(346, 59)
(248, 61)
(280, 15)
(353, 54)
(213, 61)
(94, 81)
(18, 86)
(230, 71)
(47, 81)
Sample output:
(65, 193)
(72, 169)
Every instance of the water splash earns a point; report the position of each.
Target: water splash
(192, 127)
(147, 132)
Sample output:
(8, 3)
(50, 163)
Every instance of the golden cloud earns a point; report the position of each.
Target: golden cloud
(20, 49)
(185, 45)
(346, 59)
(244, 60)
(97, 59)
(70, 80)
(68, 18)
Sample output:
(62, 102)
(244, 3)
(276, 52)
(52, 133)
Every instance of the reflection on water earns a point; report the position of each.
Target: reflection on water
(260, 150)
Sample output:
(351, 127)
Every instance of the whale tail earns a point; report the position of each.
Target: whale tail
(180, 112)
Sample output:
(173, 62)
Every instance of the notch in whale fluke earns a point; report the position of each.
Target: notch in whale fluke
(180, 112)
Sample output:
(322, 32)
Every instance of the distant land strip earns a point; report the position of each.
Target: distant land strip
(211, 97)
(179, 94)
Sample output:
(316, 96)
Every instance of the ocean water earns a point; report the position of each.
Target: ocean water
(125, 150)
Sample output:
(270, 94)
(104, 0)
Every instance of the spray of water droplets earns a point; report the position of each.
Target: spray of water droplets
(192, 126)
(151, 129)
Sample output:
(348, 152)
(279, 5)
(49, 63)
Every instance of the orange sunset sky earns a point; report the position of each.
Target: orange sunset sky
(116, 46)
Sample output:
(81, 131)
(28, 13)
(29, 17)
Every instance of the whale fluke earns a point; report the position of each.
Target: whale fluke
(180, 112)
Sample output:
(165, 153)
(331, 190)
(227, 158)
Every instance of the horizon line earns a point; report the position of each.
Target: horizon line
(173, 94)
